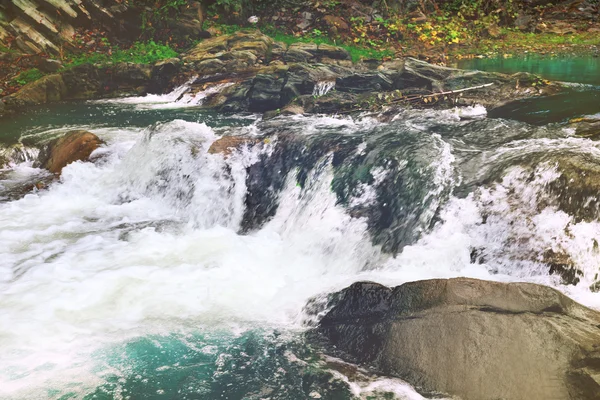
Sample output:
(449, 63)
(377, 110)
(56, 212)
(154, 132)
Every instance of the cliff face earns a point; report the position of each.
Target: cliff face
(36, 26)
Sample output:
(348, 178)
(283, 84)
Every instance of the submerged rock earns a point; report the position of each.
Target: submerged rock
(475, 339)
(74, 146)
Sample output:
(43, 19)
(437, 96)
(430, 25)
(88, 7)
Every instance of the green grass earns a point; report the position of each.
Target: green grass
(357, 53)
(25, 77)
(139, 53)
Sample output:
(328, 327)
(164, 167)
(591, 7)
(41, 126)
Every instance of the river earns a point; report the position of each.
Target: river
(160, 271)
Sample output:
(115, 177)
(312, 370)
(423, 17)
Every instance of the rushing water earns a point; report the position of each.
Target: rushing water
(581, 73)
(160, 271)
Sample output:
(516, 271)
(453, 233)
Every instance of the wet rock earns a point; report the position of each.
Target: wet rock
(562, 265)
(266, 90)
(576, 190)
(162, 74)
(586, 127)
(290, 109)
(495, 338)
(74, 146)
(364, 82)
(332, 102)
(227, 144)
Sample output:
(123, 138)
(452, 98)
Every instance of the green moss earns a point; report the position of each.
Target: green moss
(25, 77)
(140, 53)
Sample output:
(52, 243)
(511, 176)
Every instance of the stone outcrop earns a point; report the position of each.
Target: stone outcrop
(236, 52)
(86, 82)
(74, 146)
(45, 26)
(50, 88)
(267, 76)
(474, 339)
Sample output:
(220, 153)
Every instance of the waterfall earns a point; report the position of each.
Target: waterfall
(162, 260)
(180, 97)
(323, 87)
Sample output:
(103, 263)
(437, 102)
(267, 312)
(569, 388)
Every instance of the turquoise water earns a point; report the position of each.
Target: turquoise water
(130, 277)
(568, 69)
(582, 99)
(24, 127)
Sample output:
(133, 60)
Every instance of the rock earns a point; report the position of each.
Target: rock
(311, 52)
(524, 22)
(49, 65)
(336, 24)
(74, 146)
(477, 340)
(332, 52)
(228, 144)
(332, 102)
(292, 109)
(239, 51)
(300, 52)
(576, 190)
(561, 264)
(364, 82)
(587, 127)
(50, 88)
(162, 74)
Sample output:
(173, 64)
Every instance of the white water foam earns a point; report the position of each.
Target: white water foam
(145, 242)
(323, 87)
(180, 97)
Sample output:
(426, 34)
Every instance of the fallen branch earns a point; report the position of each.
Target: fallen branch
(449, 92)
(422, 97)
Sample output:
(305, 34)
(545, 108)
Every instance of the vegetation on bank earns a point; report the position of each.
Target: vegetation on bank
(139, 53)
(432, 29)
(28, 76)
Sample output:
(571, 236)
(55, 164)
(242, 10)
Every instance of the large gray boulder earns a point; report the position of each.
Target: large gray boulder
(474, 339)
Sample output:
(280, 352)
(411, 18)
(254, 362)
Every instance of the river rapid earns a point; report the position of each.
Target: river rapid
(160, 271)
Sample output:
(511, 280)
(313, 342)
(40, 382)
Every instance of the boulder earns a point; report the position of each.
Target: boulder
(228, 144)
(474, 339)
(47, 89)
(74, 146)
(162, 74)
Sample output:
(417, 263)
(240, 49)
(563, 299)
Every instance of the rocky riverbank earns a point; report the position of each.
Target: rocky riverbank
(268, 76)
